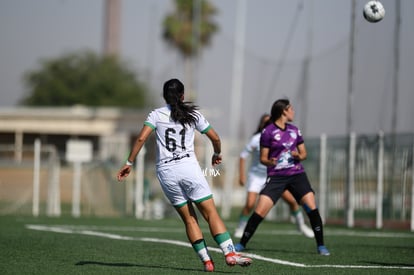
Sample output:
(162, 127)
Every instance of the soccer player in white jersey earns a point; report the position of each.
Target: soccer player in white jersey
(180, 174)
(256, 180)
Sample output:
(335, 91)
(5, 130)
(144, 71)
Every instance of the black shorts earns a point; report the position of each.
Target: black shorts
(298, 185)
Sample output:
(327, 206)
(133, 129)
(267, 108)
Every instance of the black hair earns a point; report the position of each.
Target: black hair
(263, 122)
(182, 112)
(277, 108)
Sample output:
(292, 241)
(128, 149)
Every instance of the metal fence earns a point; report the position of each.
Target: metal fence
(364, 180)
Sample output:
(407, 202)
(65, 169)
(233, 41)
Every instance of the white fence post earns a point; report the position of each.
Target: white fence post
(412, 191)
(139, 184)
(78, 151)
(351, 181)
(380, 180)
(322, 178)
(53, 201)
(76, 191)
(36, 178)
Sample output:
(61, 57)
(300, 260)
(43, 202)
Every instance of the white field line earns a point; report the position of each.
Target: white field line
(327, 232)
(67, 230)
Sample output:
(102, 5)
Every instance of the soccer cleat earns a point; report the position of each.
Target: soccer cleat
(208, 266)
(307, 231)
(322, 250)
(233, 259)
(239, 247)
(239, 232)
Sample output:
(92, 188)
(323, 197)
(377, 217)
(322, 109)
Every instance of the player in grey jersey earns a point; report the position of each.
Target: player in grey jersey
(282, 149)
(179, 173)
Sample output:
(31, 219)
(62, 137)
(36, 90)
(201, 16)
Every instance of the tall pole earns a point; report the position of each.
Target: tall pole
(349, 125)
(350, 98)
(396, 66)
(235, 105)
(150, 57)
(395, 92)
(112, 27)
(304, 84)
(196, 45)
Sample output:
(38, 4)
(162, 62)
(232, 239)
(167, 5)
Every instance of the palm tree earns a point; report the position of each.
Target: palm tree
(189, 28)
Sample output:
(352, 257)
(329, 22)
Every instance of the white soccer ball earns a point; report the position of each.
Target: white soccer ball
(374, 11)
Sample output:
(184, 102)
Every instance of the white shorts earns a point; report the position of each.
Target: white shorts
(184, 182)
(255, 182)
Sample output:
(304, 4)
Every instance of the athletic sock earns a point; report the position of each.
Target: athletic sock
(299, 220)
(317, 227)
(225, 242)
(251, 227)
(243, 221)
(200, 247)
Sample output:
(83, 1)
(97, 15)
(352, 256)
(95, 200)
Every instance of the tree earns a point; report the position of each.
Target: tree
(84, 78)
(181, 32)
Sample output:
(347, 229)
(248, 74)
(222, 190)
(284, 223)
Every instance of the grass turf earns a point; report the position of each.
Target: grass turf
(131, 246)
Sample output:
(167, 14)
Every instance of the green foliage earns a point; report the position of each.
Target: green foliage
(178, 26)
(84, 78)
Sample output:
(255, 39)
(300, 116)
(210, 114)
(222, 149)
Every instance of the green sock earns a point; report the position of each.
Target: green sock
(225, 242)
(200, 247)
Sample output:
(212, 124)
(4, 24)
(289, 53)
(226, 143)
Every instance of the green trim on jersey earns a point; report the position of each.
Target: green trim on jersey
(180, 205)
(149, 125)
(204, 199)
(206, 130)
(196, 201)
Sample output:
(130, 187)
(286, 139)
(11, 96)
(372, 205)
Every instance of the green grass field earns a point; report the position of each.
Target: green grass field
(128, 246)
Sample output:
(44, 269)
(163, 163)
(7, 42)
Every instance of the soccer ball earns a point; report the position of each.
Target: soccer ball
(374, 11)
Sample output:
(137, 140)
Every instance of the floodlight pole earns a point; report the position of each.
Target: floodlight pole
(196, 44)
(394, 118)
(349, 125)
(396, 66)
(235, 106)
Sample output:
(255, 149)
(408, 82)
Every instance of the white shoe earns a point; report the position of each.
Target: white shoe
(305, 230)
(239, 232)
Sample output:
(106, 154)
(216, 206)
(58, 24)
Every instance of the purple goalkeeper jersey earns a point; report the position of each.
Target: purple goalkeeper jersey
(281, 142)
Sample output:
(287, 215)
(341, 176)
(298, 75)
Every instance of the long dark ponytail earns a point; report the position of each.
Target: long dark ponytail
(181, 111)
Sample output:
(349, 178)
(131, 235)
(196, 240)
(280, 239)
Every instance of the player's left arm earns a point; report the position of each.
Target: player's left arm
(216, 142)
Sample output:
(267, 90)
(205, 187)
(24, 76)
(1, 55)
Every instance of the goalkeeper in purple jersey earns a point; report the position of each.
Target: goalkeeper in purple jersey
(179, 173)
(282, 149)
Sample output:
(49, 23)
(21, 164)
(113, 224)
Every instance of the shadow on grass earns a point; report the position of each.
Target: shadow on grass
(141, 265)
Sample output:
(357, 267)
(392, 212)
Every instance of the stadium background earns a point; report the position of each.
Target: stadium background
(275, 65)
(102, 195)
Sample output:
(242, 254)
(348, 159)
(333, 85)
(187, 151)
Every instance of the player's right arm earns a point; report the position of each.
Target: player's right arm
(139, 142)
(242, 173)
(264, 157)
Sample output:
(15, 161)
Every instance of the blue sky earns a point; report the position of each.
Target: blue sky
(36, 30)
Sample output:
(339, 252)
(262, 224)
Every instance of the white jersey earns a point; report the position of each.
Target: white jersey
(175, 143)
(253, 148)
